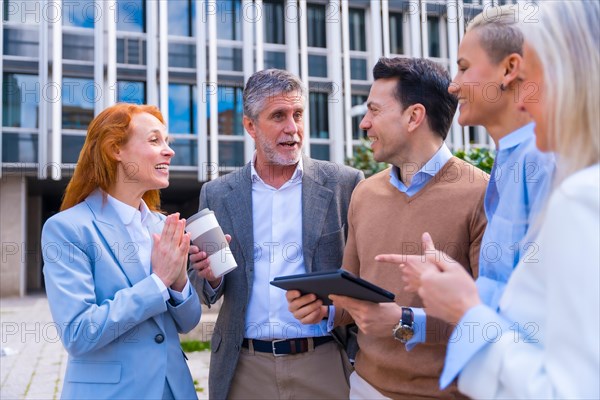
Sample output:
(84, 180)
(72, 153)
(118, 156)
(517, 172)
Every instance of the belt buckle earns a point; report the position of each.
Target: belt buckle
(275, 354)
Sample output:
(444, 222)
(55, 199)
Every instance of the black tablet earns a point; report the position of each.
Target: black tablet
(334, 282)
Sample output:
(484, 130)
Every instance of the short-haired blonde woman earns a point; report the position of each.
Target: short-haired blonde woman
(115, 268)
(543, 342)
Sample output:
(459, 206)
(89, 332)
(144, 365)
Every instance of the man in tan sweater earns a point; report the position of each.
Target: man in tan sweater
(426, 189)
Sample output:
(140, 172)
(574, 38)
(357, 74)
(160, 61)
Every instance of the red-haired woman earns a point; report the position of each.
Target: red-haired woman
(115, 268)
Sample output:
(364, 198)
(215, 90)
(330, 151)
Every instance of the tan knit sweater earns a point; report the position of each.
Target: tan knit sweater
(384, 220)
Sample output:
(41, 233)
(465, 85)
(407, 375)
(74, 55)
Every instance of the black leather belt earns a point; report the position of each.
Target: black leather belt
(284, 347)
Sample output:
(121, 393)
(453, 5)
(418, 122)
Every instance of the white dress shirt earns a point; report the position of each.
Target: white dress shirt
(137, 222)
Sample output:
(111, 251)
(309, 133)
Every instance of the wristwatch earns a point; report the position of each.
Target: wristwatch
(404, 331)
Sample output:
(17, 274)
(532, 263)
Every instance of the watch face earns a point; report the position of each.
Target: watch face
(403, 333)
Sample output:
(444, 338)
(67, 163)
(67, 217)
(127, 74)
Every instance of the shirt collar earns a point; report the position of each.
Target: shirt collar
(517, 137)
(127, 213)
(431, 167)
(297, 175)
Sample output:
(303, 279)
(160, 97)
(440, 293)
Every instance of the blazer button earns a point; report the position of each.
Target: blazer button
(159, 338)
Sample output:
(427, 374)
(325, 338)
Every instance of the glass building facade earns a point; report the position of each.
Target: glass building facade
(63, 61)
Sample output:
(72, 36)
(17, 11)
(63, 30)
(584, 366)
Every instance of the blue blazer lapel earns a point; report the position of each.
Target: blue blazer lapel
(315, 203)
(116, 237)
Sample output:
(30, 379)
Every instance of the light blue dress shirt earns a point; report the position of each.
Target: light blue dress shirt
(520, 182)
(424, 174)
(277, 231)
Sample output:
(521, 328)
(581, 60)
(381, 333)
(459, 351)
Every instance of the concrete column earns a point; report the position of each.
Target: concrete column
(13, 201)
(33, 254)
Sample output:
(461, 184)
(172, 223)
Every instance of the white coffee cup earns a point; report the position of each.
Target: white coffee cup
(208, 236)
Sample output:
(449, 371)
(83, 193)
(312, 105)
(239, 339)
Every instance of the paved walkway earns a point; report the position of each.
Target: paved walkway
(33, 361)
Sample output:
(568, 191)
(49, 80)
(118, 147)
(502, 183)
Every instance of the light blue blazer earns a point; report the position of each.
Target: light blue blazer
(121, 336)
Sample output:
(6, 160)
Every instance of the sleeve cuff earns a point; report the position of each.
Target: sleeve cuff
(479, 326)
(161, 287)
(180, 297)
(419, 327)
(330, 319)
(209, 292)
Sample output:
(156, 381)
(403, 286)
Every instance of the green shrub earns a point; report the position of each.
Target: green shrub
(189, 346)
(363, 159)
(482, 158)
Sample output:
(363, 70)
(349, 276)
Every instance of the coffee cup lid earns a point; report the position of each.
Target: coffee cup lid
(198, 215)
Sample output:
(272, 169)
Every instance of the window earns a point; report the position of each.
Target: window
(317, 36)
(358, 69)
(230, 111)
(19, 147)
(182, 55)
(319, 116)
(20, 101)
(183, 123)
(433, 31)
(319, 151)
(20, 109)
(319, 125)
(78, 47)
(78, 99)
(180, 109)
(357, 29)
(71, 147)
(131, 16)
(131, 50)
(229, 59)
(358, 44)
(317, 66)
(274, 59)
(180, 18)
(228, 20)
(21, 42)
(131, 92)
(396, 39)
(273, 21)
(80, 13)
(186, 151)
(231, 130)
(357, 133)
(231, 154)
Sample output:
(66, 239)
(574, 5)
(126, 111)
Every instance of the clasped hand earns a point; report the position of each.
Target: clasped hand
(169, 253)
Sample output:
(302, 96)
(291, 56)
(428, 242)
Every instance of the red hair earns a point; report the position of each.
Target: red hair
(97, 165)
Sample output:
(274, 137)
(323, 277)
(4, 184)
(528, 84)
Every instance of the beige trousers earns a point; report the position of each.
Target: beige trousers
(320, 373)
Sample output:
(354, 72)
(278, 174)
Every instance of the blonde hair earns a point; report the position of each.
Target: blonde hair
(498, 30)
(97, 165)
(566, 38)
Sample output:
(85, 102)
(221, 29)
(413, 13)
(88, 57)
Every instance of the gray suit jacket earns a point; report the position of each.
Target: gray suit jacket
(326, 191)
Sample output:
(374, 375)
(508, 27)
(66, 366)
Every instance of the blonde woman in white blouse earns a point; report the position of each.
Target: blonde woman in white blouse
(544, 340)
